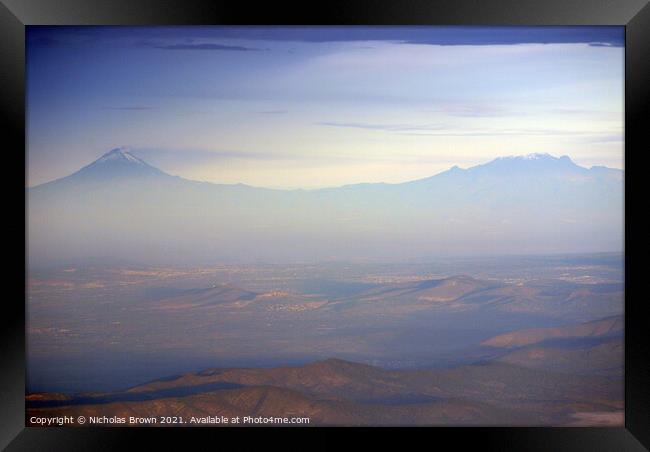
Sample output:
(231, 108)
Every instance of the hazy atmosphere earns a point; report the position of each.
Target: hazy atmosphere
(325, 226)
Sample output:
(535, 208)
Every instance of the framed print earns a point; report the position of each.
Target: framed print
(354, 216)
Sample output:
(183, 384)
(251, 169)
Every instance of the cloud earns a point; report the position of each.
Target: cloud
(490, 111)
(613, 36)
(439, 130)
(173, 158)
(502, 132)
(273, 112)
(204, 46)
(597, 36)
(594, 36)
(599, 139)
(129, 108)
(386, 127)
(178, 158)
(471, 111)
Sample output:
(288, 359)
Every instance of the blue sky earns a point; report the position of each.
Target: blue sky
(321, 106)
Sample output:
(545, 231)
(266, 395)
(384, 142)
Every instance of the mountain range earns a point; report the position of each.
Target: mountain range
(121, 207)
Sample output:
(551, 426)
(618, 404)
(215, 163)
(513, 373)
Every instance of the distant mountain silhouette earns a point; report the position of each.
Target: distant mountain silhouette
(115, 166)
(120, 206)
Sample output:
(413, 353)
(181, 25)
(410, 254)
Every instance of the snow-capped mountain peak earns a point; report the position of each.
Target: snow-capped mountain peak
(537, 156)
(121, 153)
(532, 156)
(118, 164)
(534, 162)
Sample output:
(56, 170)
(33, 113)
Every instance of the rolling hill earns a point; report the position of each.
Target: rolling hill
(599, 328)
(337, 392)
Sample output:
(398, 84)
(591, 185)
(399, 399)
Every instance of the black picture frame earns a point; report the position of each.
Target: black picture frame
(633, 14)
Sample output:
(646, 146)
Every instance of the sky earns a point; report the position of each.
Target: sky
(310, 107)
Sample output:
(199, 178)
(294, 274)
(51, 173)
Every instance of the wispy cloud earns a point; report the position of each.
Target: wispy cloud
(129, 107)
(203, 46)
(504, 132)
(600, 139)
(471, 111)
(272, 112)
(168, 157)
(440, 130)
(597, 36)
(573, 111)
(386, 127)
(494, 111)
(446, 35)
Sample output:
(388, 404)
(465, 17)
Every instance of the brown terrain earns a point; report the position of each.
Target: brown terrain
(413, 347)
(337, 392)
(534, 335)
